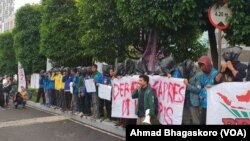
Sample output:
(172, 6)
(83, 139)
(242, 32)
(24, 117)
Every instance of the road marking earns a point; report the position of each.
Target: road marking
(25, 122)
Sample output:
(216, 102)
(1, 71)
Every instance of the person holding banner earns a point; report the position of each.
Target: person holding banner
(107, 74)
(186, 70)
(75, 101)
(232, 70)
(207, 80)
(67, 96)
(192, 102)
(146, 100)
(98, 78)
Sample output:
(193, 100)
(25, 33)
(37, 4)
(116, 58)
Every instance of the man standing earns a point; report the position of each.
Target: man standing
(206, 81)
(232, 70)
(41, 88)
(98, 78)
(146, 99)
(75, 81)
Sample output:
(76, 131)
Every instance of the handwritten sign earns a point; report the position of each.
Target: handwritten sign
(90, 85)
(104, 91)
(170, 94)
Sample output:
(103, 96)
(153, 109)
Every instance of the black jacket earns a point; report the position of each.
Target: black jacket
(248, 73)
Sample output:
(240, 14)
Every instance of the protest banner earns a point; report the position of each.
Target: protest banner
(21, 79)
(104, 91)
(34, 81)
(229, 103)
(90, 85)
(169, 91)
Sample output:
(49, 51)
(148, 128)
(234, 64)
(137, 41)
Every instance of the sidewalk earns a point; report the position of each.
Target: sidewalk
(106, 126)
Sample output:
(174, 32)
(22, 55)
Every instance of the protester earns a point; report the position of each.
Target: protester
(108, 74)
(21, 98)
(46, 84)
(81, 96)
(52, 92)
(146, 99)
(248, 72)
(98, 78)
(75, 81)
(41, 88)
(1, 93)
(207, 80)
(67, 95)
(7, 85)
(192, 100)
(61, 89)
(232, 70)
(87, 96)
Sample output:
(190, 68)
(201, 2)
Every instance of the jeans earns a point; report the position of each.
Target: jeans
(23, 102)
(6, 98)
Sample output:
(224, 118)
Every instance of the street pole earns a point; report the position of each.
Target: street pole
(219, 48)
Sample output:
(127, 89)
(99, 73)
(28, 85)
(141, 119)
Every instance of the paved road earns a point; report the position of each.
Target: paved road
(29, 124)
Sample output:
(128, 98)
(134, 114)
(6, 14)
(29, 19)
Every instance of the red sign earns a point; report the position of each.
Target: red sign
(218, 16)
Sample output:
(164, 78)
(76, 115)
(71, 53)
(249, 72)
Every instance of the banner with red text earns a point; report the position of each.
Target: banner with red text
(170, 93)
(21, 79)
(229, 103)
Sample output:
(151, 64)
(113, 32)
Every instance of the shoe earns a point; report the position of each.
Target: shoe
(80, 114)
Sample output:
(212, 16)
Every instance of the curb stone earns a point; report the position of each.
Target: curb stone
(106, 126)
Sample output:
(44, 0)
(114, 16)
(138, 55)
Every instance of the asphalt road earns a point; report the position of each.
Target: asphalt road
(30, 124)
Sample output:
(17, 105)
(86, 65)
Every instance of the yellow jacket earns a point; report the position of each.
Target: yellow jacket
(58, 81)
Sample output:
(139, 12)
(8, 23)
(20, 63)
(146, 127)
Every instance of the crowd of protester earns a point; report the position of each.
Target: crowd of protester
(63, 88)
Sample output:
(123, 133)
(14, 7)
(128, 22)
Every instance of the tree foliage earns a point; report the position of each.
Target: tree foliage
(176, 23)
(60, 32)
(27, 38)
(8, 63)
(103, 34)
(239, 23)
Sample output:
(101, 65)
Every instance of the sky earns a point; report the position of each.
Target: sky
(20, 3)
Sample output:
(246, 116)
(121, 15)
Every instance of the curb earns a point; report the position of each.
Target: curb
(106, 126)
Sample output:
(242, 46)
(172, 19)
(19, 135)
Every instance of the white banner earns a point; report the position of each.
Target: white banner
(21, 79)
(90, 85)
(229, 103)
(104, 91)
(170, 93)
(34, 81)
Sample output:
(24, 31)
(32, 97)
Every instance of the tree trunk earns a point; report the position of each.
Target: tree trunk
(150, 53)
(213, 45)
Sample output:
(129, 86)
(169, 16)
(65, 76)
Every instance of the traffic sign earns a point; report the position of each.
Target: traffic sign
(218, 16)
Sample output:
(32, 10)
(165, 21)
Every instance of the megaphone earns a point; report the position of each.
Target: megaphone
(147, 118)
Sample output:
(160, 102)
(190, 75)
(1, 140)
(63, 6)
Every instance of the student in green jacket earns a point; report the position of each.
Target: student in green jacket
(146, 99)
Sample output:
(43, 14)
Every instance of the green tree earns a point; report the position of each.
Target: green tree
(171, 25)
(239, 23)
(103, 34)
(27, 38)
(60, 32)
(8, 63)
